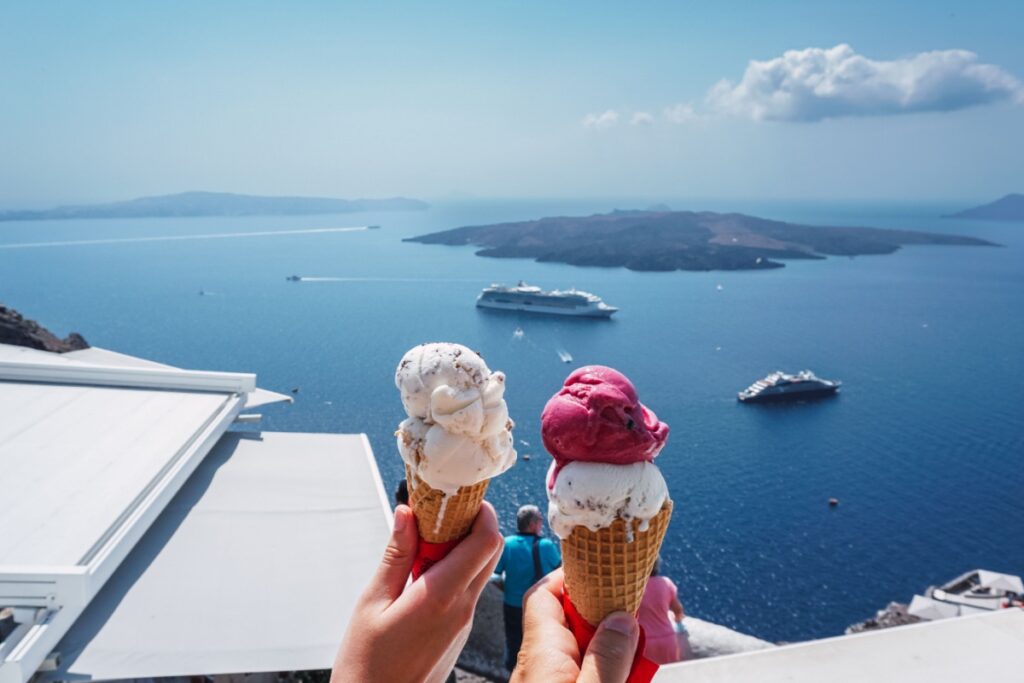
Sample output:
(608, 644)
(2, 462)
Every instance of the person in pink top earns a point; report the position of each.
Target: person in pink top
(660, 598)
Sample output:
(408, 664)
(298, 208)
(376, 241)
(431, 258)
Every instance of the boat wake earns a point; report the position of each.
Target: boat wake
(177, 238)
(564, 355)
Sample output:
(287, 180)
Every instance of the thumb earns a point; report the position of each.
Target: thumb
(610, 654)
(393, 572)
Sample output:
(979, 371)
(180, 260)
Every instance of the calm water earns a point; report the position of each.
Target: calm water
(923, 448)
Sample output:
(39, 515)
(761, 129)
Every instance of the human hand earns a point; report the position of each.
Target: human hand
(550, 654)
(408, 633)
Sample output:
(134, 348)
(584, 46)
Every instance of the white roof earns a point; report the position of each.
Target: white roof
(75, 457)
(973, 648)
(254, 566)
(1003, 582)
(93, 445)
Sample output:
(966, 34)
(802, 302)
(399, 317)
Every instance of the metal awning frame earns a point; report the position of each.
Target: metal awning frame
(48, 599)
(127, 377)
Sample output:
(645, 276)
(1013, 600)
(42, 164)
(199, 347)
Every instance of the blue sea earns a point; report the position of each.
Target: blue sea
(924, 448)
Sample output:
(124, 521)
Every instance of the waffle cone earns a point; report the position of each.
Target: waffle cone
(605, 572)
(440, 520)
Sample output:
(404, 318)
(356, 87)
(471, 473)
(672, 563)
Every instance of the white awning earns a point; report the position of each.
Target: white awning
(254, 399)
(254, 566)
(75, 457)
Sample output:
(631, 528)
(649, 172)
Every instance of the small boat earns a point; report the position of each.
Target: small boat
(373, 227)
(779, 386)
(564, 355)
(518, 334)
(293, 278)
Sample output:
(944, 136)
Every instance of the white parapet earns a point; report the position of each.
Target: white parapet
(973, 648)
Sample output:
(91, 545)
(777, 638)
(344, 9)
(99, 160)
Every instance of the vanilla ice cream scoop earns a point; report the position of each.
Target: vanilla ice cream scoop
(593, 495)
(427, 367)
(458, 432)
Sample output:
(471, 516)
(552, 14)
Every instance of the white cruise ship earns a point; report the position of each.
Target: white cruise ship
(779, 386)
(524, 297)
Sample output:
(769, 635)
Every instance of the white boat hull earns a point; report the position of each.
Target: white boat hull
(575, 312)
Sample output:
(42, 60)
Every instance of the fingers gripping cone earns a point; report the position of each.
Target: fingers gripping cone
(607, 570)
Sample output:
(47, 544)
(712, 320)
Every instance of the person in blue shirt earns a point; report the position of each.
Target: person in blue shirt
(527, 557)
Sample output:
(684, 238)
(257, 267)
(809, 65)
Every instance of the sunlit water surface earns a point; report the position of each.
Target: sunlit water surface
(923, 448)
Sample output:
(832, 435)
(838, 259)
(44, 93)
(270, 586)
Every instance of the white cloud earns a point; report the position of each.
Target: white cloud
(815, 84)
(680, 113)
(641, 118)
(605, 119)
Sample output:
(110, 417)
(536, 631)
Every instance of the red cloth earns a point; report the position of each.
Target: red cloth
(642, 670)
(428, 554)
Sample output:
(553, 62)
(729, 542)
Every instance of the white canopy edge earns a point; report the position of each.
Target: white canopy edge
(96, 356)
(119, 376)
(254, 399)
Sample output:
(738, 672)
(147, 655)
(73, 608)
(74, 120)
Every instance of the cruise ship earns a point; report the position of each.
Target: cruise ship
(779, 386)
(524, 297)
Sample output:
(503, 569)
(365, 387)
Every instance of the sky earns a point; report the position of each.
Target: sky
(559, 99)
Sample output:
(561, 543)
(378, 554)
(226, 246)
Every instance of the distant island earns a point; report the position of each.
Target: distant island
(679, 240)
(189, 204)
(1009, 208)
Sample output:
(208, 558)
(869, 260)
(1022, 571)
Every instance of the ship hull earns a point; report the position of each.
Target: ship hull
(581, 312)
(791, 396)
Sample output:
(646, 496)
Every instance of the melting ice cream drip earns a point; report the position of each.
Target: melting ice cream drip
(440, 514)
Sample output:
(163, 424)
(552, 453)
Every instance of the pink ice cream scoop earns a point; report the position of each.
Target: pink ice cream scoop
(596, 417)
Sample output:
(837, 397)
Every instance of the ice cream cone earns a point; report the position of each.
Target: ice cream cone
(456, 438)
(439, 517)
(607, 570)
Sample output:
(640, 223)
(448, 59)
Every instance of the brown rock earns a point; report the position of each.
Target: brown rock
(17, 330)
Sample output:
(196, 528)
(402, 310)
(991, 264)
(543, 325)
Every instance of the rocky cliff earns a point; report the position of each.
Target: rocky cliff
(17, 330)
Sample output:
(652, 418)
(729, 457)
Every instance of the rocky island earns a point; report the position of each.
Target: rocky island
(190, 204)
(17, 330)
(1008, 208)
(680, 240)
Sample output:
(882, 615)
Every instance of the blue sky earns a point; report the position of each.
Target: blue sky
(108, 100)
